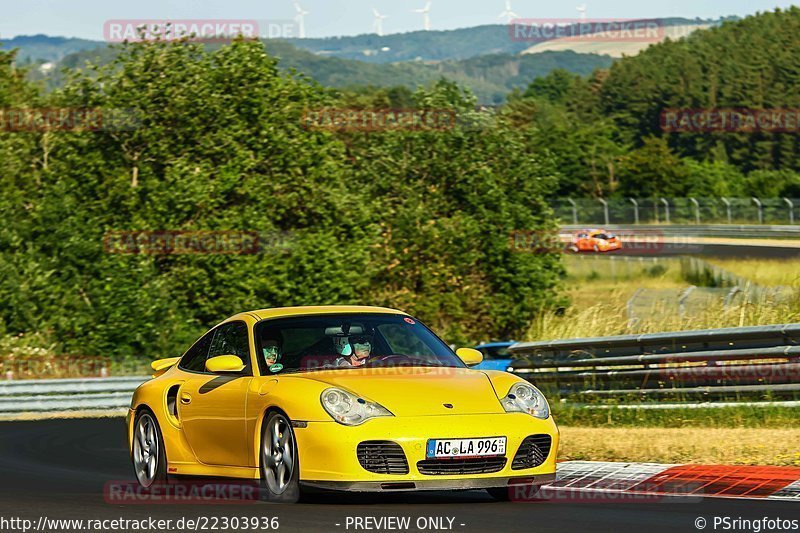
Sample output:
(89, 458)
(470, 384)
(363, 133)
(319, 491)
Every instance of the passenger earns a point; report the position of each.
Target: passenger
(353, 351)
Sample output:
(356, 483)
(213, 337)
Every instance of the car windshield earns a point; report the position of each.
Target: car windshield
(348, 341)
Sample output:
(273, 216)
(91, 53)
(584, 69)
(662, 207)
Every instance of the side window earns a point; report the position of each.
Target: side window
(231, 339)
(194, 360)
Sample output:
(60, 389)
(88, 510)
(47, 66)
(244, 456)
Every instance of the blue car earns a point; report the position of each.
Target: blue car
(496, 356)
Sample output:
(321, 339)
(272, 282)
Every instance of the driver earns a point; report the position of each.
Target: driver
(353, 350)
(271, 348)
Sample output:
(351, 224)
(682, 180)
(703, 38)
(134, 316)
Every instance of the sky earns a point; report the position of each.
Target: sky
(85, 18)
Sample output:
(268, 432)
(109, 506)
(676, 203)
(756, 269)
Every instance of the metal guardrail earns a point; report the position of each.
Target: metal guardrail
(697, 230)
(740, 364)
(49, 395)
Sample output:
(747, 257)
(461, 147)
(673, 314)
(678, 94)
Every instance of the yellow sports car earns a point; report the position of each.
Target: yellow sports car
(339, 397)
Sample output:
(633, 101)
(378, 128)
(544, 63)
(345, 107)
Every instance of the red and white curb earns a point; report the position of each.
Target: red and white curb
(682, 480)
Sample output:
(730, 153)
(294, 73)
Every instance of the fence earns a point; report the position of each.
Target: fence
(49, 395)
(754, 364)
(591, 211)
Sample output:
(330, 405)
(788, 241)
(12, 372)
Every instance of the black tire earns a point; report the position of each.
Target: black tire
(277, 487)
(148, 440)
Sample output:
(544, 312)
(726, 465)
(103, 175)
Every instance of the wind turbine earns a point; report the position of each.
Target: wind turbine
(426, 16)
(582, 10)
(377, 25)
(508, 13)
(300, 19)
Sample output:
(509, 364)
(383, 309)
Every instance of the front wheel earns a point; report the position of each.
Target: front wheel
(280, 469)
(149, 458)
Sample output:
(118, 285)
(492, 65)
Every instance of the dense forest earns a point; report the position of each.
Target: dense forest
(606, 133)
(412, 218)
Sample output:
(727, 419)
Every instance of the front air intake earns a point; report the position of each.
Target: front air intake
(382, 457)
(532, 452)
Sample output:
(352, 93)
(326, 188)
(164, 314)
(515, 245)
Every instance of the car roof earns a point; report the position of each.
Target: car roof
(280, 312)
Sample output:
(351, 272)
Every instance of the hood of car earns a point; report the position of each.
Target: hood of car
(418, 391)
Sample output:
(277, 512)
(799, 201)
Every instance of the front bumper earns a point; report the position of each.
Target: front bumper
(328, 457)
(431, 484)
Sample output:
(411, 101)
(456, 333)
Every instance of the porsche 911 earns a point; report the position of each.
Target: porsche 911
(343, 398)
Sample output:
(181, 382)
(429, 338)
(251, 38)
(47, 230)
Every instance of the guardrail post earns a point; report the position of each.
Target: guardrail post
(696, 210)
(791, 210)
(682, 300)
(760, 210)
(633, 320)
(574, 210)
(727, 208)
(635, 210)
(729, 297)
(605, 209)
(666, 209)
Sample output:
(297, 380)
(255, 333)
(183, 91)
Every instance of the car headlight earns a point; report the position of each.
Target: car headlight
(525, 398)
(348, 409)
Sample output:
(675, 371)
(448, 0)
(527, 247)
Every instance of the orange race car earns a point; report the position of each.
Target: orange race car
(594, 240)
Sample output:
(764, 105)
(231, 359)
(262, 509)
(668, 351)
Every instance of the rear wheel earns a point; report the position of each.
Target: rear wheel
(149, 458)
(280, 469)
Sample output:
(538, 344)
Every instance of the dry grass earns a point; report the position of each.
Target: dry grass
(727, 446)
(766, 272)
(605, 318)
(599, 292)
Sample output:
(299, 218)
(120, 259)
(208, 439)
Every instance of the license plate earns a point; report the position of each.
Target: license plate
(459, 448)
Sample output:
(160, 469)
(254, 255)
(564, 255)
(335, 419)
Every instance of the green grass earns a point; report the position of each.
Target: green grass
(777, 417)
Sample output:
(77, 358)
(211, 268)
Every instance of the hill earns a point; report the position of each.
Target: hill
(614, 48)
(445, 45)
(491, 77)
(43, 48)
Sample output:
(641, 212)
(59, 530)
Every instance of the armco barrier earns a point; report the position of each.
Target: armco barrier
(48, 395)
(761, 363)
(697, 230)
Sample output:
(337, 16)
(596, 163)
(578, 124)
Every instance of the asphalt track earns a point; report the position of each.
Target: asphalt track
(58, 469)
(710, 250)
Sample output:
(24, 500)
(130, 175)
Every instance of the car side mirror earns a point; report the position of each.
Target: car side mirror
(470, 356)
(224, 363)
